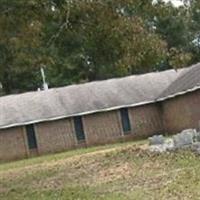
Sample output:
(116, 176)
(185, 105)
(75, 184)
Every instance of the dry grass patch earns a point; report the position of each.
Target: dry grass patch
(121, 172)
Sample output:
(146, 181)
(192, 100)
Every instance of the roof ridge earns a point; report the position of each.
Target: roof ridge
(88, 83)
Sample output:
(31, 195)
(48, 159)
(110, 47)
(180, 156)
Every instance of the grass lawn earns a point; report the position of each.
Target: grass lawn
(112, 172)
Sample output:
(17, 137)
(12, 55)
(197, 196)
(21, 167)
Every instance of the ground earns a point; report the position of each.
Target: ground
(113, 172)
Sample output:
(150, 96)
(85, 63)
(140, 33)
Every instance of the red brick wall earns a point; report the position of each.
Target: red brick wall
(102, 128)
(106, 127)
(13, 144)
(182, 112)
(55, 136)
(146, 120)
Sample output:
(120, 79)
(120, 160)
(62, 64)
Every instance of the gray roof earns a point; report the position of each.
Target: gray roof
(188, 81)
(58, 103)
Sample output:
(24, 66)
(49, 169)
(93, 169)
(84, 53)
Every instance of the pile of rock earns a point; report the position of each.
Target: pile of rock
(189, 138)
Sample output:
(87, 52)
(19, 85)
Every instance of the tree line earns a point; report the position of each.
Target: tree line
(78, 41)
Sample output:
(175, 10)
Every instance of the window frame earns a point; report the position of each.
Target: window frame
(125, 121)
(79, 128)
(31, 136)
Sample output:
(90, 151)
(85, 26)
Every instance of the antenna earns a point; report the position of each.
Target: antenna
(45, 85)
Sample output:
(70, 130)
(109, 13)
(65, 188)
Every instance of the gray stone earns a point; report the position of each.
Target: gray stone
(160, 148)
(188, 138)
(183, 139)
(189, 131)
(195, 146)
(169, 144)
(156, 140)
(196, 136)
(193, 132)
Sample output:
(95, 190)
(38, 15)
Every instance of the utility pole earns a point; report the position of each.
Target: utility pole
(45, 85)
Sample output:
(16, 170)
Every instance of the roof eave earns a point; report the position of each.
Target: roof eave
(178, 94)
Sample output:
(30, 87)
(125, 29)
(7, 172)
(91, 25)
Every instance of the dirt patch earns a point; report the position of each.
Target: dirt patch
(121, 171)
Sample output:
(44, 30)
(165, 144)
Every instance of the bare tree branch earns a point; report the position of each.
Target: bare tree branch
(62, 27)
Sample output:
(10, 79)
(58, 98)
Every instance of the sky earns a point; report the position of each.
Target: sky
(175, 2)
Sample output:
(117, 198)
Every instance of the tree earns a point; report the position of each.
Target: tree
(79, 41)
(104, 39)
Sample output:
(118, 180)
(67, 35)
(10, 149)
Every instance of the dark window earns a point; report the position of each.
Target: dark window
(30, 132)
(78, 124)
(125, 120)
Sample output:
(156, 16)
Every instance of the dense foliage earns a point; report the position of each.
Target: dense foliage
(79, 41)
